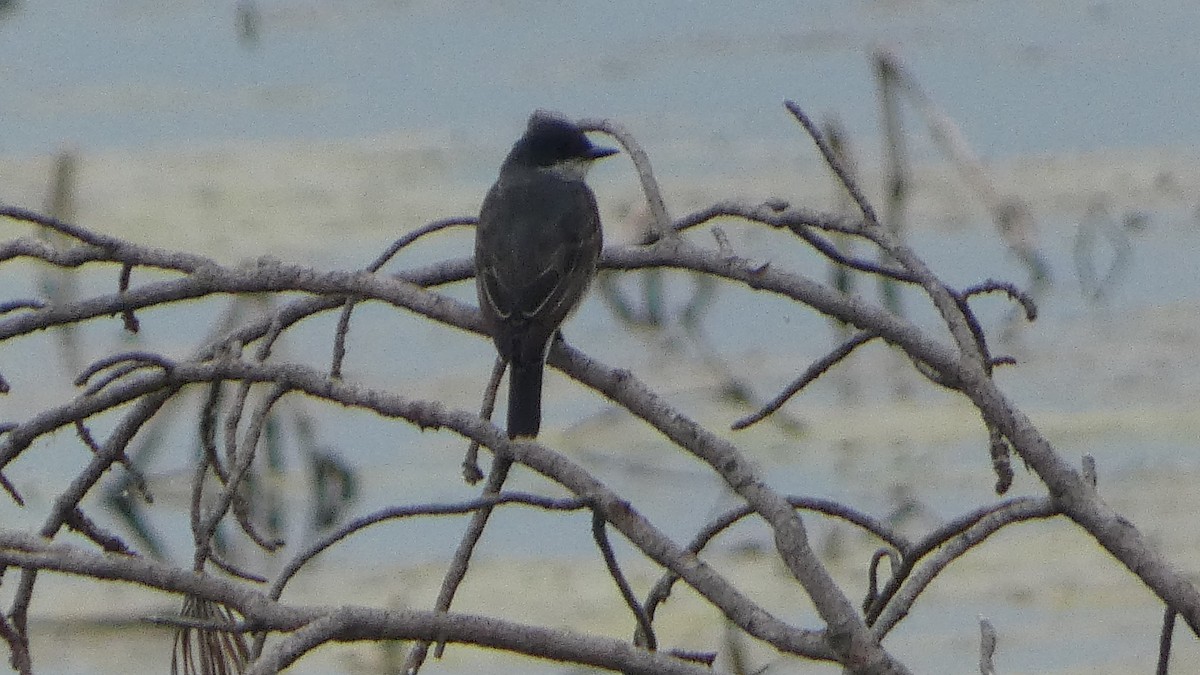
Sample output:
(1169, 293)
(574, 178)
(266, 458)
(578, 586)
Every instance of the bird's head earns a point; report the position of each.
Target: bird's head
(555, 144)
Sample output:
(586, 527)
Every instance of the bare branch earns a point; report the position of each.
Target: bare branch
(30, 552)
(895, 601)
(808, 376)
(645, 631)
(397, 512)
(18, 647)
(140, 384)
(801, 223)
(457, 570)
(234, 570)
(14, 305)
(343, 327)
(127, 317)
(1001, 453)
(11, 490)
(470, 464)
(662, 589)
(641, 163)
(239, 467)
(69, 499)
(111, 543)
(1028, 304)
(131, 360)
(943, 299)
(618, 384)
(987, 647)
(893, 559)
(1164, 642)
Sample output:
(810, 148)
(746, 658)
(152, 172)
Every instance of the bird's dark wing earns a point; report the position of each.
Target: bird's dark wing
(537, 244)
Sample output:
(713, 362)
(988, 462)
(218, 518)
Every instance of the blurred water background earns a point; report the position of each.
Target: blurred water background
(318, 132)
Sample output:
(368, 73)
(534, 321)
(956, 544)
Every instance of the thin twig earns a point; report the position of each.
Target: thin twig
(343, 325)
(457, 570)
(801, 223)
(641, 161)
(209, 417)
(82, 234)
(11, 490)
(267, 342)
(240, 468)
(1028, 304)
(137, 360)
(69, 499)
(397, 512)
(410, 237)
(835, 164)
(470, 463)
(810, 374)
(234, 570)
(894, 603)
(1164, 641)
(85, 526)
(949, 305)
(662, 589)
(85, 435)
(912, 553)
(101, 247)
(893, 559)
(362, 624)
(1001, 453)
(645, 631)
(18, 647)
(13, 305)
(987, 647)
(128, 318)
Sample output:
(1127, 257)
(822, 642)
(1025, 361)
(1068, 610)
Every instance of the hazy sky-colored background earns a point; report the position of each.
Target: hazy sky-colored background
(1022, 76)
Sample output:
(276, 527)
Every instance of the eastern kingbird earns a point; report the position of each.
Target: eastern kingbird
(536, 248)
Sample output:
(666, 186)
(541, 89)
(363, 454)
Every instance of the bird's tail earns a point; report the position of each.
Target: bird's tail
(525, 399)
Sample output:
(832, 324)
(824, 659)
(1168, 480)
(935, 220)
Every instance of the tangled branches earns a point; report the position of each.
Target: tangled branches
(133, 388)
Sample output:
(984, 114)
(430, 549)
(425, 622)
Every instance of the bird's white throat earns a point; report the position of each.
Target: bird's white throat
(569, 169)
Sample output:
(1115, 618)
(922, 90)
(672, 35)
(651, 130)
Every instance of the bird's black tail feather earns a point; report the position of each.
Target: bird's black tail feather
(524, 399)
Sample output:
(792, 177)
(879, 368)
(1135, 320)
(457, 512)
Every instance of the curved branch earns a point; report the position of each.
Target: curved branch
(645, 632)
(266, 276)
(427, 414)
(963, 368)
(951, 542)
(66, 502)
(343, 327)
(461, 560)
(662, 589)
(641, 163)
(942, 297)
(14, 305)
(682, 254)
(807, 377)
(396, 512)
(801, 223)
(358, 623)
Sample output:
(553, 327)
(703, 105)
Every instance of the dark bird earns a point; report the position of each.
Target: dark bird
(536, 248)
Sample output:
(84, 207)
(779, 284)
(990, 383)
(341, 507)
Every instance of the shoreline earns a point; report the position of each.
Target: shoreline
(291, 196)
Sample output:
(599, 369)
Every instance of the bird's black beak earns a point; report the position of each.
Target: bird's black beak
(600, 153)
